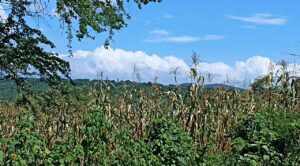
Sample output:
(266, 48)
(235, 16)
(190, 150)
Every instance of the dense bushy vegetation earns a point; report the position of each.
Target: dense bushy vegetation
(104, 124)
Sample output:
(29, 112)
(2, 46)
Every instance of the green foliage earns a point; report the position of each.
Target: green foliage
(22, 51)
(267, 138)
(96, 139)
(64, 153)
(100, 16)
(26, 148)
(131, 152)
(170, 143)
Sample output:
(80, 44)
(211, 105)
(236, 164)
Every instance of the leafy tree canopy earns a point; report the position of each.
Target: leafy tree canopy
(24, 49)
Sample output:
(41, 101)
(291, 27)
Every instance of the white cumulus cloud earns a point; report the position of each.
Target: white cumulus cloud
(241, 71)
(245, 71)
(119, 64)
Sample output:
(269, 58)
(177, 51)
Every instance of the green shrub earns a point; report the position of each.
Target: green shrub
(26, 147)
(131, 152)
(267, 138)
(95, 142)
(170, 144)
(64, 153)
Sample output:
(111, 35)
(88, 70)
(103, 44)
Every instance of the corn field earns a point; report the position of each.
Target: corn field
(56, 122)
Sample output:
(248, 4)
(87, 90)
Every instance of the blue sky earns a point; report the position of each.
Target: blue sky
(230, 36)
(241, 39)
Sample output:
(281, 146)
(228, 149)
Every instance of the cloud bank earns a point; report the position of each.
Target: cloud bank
(119, 64)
